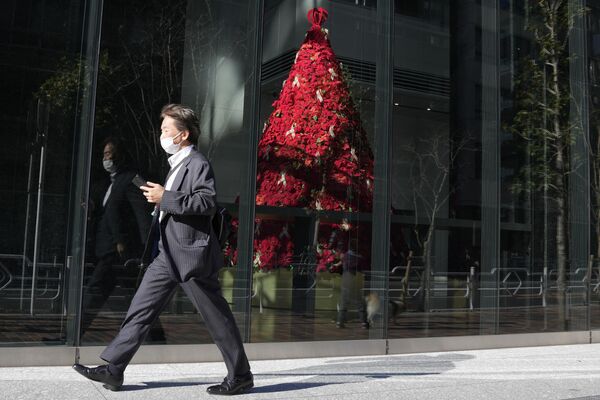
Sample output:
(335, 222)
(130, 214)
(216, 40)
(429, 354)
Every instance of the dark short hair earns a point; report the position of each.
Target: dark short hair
(185, 119)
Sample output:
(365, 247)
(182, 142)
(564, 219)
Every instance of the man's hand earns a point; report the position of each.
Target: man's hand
(153, 192)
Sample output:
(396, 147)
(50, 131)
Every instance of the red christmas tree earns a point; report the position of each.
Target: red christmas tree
(313, 153)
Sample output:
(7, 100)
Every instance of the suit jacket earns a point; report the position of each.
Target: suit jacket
(186, 237)
(114, 220)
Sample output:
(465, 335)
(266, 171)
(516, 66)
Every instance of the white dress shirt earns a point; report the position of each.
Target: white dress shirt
(109, 190)
(175, 161)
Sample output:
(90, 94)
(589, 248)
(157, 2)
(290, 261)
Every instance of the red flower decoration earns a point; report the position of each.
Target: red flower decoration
(313, 153)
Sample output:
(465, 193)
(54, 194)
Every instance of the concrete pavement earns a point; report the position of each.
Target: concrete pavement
(558, 372)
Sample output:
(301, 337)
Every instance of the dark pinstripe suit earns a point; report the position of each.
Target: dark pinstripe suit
(188, 256)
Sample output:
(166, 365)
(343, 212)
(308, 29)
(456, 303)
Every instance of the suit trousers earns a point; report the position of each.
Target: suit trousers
(99, 288)
(155, 291)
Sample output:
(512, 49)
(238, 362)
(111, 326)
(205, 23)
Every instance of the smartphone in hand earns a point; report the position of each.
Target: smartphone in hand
(138, 181)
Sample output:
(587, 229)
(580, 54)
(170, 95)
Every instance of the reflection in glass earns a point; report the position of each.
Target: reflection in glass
(451, 272)
(155, 53)
(312, 247)
(495, 173)
(543, 274)
(435, 249)
(593, 34)
(118, 226)
(41, 47)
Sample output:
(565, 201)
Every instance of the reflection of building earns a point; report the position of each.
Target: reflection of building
(468, 255)
(37, 44)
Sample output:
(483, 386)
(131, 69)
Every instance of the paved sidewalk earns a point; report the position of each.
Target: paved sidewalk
(559, 372)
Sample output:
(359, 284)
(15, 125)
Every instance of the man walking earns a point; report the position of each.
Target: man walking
(189, 255)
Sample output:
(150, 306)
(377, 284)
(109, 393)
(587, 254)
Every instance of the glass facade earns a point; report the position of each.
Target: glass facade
(422, 168)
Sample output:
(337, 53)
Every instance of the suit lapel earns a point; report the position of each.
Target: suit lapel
(182, 172)
(179, 177)
(178, 181)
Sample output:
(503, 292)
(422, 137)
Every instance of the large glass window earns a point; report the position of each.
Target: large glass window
(42, 84)
(155, 53)
(435, 238)
(312, 241)
(542, 276)
(593, 59)
(490, 183)
(494, 178)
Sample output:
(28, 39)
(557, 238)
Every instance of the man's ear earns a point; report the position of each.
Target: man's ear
(185, 135)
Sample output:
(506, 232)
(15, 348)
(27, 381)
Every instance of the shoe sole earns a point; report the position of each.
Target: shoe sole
(245, 389)
(111, 387)
(241, 390)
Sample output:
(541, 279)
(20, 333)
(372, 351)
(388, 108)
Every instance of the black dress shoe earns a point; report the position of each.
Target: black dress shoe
(101, 374)
(233, 386)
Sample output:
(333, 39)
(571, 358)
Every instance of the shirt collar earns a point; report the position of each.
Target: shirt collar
(180, 155)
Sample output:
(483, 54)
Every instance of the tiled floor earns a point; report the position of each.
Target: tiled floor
(281, 325)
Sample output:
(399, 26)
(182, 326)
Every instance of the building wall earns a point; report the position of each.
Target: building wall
(474, 235)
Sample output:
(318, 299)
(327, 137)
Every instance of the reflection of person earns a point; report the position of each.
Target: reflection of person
(117, 236)
(188, 256)
(351, 288)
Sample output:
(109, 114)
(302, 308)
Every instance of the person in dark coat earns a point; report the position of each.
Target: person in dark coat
(119, 225)
(351, 287)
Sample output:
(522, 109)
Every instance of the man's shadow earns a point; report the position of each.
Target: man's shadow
(350, 371)
(281, 387)
(163, 384)
(335, 372)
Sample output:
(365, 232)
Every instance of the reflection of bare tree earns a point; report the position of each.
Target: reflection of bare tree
(542, 121)
(171, 44)
(433, 161)
(145, 74)
(215, 68)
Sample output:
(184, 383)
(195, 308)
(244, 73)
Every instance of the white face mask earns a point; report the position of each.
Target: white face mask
(168, 145)
(109, 166)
